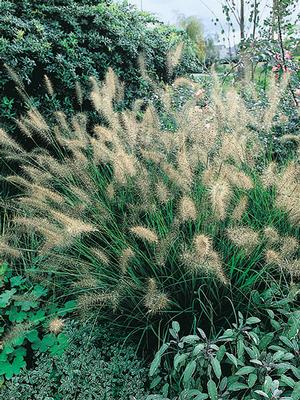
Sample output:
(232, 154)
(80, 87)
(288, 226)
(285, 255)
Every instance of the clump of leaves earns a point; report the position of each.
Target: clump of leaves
(251, 360)
(28, 322)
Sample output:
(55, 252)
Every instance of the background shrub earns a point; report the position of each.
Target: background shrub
(93, 367)
(70, 41)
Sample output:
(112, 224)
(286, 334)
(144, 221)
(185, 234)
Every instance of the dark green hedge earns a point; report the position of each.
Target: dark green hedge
(70, 40)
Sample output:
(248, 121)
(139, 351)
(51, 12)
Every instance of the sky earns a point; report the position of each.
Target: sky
(206, 10)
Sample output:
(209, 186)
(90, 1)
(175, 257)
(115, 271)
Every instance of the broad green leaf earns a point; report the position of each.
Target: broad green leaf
(266, 340)
(39, 291)
(16, 316)
(212, 390)
(189, 370)
(26, 305)
(3, 268)
(216, 367)
(192, 394)
(245, 370)
(223, 384)
(179, 360)
(296, 391)
(165, 389)
(252, 320)
(233, 359)
(157, 359)
(252, 378)
(286, 341)
(221, 353)
(261, 393)
(237, 386)
(176, 326)
(190, 339)
(155, 382)
(240, 349)
(287, 380)
(198, 348)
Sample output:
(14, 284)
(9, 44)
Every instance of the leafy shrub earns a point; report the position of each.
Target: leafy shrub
(24, 310)
(251, 360)
(91, 368)
(69, 42)
(149, 225)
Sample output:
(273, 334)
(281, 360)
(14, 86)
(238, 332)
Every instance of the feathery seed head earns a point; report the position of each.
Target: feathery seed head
(273, 257)
(244, 237)
(271, 235)
(289, 246)
(162, 192)
(56, 325)
(145, 234)
(49, 86)
(155, 300)
(187, 209)
(125, 258)
(202, 245)
(220, 194)
(239, 209)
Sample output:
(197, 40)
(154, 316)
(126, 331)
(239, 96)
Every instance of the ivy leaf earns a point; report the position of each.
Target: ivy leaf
(16, 316)
(17, 280)
(39, 291)
(26, 305)
(37, 317)
(6, 297)
(33, 336)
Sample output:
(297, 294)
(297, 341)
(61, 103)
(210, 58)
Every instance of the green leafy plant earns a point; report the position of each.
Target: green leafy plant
(93, 367)
(28, 322)
(251, 360)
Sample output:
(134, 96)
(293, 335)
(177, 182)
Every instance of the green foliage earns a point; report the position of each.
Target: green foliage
(69, 42)
(251, 360)
(24, 309)
(93, 367)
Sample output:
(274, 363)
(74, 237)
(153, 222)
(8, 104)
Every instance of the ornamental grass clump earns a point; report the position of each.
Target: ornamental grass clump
(143, 225)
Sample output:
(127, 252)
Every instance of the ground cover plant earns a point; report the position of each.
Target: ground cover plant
(143, 225)
(94, 366)
(30, 321)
